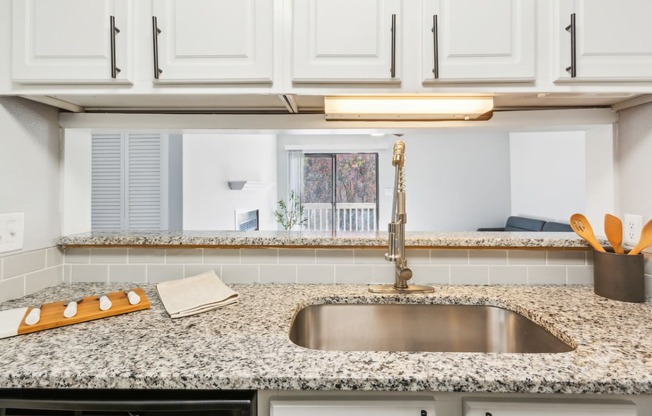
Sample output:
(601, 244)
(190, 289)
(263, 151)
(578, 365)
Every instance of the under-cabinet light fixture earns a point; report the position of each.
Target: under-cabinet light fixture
(415, 108)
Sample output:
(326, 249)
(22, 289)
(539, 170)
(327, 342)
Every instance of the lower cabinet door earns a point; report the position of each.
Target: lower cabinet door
(352, 408)
(549, 408)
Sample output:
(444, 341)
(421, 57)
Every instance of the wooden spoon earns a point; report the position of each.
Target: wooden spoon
(645, 241)
(582, 227)
(613, 227)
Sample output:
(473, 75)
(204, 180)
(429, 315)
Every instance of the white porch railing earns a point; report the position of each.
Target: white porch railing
(348, 217)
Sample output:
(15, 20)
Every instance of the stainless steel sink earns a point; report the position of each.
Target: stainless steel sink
(417, 327)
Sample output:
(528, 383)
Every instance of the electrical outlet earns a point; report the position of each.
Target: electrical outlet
(632, 229)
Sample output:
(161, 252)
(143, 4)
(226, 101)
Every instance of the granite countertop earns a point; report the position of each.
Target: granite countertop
(246, 346)
(537, 240)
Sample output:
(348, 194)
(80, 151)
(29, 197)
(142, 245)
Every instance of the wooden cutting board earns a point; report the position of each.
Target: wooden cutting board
(87, 310)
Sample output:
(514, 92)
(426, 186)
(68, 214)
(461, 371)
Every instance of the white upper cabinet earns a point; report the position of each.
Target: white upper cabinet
(478, 40)
(213, 41)
(612, 40)
(345, 41)
(70, 41)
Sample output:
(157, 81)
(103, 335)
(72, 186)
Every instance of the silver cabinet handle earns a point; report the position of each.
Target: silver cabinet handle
(155, 32)
(572, 69)
(392, 68)
(114, 30)
(435, 47)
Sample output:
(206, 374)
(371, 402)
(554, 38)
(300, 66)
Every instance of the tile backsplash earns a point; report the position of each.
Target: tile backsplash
(28, 272)
(328, 266)
(25, 273)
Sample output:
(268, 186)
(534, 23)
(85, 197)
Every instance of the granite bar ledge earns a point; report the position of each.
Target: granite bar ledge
(305, 239)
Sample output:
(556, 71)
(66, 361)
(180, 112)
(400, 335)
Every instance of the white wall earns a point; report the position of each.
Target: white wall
(457, 182)
(454, 181)
(548, 172)
(208, 203)
(634, 162)
(29, 166)
(76, 181)
(600, 176)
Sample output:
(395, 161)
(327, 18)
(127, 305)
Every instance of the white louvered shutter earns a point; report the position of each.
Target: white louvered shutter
(129, 182)
(107, 204)
(145, 209)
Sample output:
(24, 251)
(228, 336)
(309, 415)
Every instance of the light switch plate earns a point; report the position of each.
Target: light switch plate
(12, 227)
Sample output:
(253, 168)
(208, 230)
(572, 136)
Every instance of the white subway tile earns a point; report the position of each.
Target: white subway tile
(383, 273)
(579, 275)
(108, 255)
(508, 275)
(648, 263)
(353, 273)
(296, 256)
(487, 257)
(89, 273)
(316, 273)
(433, 274)
(449, 256)
(67, 273)
(240, 273)
(146, 255)
(23, 263)
(136, 273)
(648, 285)
(42, 279)
(271, 273)
(77, 255)
(222, 256)
(369, 256)
(183, 255)
(54, 257)
(334, 256)
(12, 288)
(469, 275)
(416, 255)
(566, 258)
(546, 275)
(589, 258)
(526, 257)
(163, 272)
(1, 267)
(195, 269)
(259, 256)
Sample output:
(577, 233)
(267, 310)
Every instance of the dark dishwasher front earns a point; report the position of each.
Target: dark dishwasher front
(86, 402)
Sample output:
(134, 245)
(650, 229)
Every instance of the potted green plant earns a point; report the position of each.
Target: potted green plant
(290, 214)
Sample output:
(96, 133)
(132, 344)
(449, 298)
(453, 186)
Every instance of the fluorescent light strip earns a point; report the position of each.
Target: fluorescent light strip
(406, 108)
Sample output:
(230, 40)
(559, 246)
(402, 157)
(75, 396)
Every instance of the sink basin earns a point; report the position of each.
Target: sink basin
(434, 328)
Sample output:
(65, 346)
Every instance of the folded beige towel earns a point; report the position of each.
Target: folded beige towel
(195, 294)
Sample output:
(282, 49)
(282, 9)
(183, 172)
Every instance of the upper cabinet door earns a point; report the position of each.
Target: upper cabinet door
(478, 40)
(70, 41)
(613, 40)
(209, 41)
(342, 41)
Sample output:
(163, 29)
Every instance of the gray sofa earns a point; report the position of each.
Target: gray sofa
(516, 223)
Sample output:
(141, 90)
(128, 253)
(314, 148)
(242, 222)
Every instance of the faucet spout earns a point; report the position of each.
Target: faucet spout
(396, 233)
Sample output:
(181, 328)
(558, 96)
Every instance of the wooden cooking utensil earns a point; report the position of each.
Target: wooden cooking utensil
(645, 240)
(613, 227)
(582, 227)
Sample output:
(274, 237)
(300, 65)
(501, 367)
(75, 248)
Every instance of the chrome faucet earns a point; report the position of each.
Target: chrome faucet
(396, 230)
